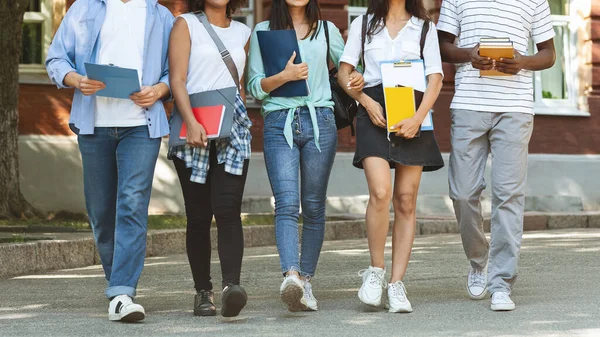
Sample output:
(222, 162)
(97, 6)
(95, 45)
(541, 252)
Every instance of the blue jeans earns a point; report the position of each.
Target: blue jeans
(284, 166)
(118, 167)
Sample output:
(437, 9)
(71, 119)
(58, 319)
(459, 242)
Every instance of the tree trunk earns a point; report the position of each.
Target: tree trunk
(12, 202)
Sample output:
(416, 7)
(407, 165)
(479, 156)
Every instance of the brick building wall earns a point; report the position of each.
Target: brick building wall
(45, 109)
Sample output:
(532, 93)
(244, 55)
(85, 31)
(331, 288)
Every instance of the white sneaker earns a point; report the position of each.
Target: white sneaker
(122, 308)
(309, 302)
(501, 302)
(292, 292)
(398, 302)
(477, 284)
(371, 291)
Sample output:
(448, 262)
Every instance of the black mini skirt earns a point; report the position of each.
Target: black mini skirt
(372, 141)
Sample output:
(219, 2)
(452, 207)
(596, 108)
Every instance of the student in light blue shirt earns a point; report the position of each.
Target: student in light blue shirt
(119, 139)
(300, 139)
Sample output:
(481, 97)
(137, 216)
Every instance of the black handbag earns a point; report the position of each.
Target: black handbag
(345, 107)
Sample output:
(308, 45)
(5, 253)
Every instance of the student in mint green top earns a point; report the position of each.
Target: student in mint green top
(300, 140)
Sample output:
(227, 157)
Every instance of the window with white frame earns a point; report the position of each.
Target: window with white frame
(356, 8)
(556, 90)
(36, 36)
(246, 15)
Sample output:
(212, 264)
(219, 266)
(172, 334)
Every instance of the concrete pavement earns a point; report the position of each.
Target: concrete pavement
(557, 294)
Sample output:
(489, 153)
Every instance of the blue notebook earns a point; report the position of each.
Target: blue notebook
(120, 82)
(276, 48)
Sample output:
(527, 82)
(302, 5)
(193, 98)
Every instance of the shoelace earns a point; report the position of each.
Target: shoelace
(477, 279)
(398, 290)
(373, 277)
(502, 297)
(307, 290)
(205, 296)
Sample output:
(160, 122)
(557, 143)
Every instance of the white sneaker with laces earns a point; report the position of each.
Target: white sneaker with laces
(477, 284)
(122, 308)
(371, 291)
(309, 302)
(501, 302)
(398, 302)
(292, 292)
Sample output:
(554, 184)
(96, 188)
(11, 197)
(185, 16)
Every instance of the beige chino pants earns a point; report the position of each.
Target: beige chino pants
(506, 137)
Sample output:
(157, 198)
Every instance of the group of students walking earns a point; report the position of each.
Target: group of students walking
(119, 139)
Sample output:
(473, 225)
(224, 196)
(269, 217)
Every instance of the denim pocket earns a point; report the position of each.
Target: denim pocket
(274, 117)
(326, 115)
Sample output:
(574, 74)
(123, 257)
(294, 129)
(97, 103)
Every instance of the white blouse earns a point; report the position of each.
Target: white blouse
(206, 69)
(406, 46)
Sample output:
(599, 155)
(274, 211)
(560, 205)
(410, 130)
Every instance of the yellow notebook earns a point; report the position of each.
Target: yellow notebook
(399, 105)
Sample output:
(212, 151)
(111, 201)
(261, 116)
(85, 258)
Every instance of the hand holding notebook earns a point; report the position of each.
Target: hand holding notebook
(120, 82)
(496, 49)
(277, 48)
(404, 85)
(211, 119)
(295, 72)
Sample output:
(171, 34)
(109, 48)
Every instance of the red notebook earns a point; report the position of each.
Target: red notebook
(210, 117)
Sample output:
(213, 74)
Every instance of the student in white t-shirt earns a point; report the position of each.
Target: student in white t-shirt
(394, 32)
(492, 114)
(213, 173)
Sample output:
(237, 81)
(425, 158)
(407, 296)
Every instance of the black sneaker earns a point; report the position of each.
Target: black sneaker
(204, 304)
(234, 299)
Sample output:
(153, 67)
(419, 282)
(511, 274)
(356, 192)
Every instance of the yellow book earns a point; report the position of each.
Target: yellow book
(399, 105)
(495, 52)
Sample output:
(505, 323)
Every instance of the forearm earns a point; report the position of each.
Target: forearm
(430, 96)
(162, 89)
(271, 83)
(453, 54)
(344, 78)
(243, 95)
(544, 59)
(72, 80)
(182, 100)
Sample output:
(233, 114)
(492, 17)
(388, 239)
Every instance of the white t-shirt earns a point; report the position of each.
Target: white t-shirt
(519, 20)
(122, 44)
(406, 46)
(206, 69)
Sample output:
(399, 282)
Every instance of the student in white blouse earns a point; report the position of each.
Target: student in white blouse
(393, 33)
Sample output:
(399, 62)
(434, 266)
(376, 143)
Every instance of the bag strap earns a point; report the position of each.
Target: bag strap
(363, 35)
(325, 26)
(225, 55)
(424, 32)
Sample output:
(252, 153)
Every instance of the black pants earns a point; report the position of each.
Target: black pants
(220, 196)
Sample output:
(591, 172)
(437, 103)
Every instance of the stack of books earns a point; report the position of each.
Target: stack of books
(495, 48)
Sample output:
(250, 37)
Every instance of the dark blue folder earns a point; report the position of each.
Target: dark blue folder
(276, 48)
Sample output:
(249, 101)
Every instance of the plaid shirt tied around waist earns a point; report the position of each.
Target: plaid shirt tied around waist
(232, 151)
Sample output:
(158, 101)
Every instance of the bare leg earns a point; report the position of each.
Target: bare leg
(379, 179)
(406, 187)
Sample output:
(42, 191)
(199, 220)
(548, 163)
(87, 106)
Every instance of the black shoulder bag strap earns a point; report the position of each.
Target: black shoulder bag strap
(325, 26)
(222, 49)
(363, 35)
(424, 32)
(333, 70)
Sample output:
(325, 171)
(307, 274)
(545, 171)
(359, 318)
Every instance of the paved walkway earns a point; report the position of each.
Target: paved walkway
(557, 294)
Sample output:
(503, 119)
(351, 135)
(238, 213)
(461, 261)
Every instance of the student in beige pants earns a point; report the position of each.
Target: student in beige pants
(492, 115)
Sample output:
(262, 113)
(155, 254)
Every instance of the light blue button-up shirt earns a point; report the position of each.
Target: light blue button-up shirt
(76, 43)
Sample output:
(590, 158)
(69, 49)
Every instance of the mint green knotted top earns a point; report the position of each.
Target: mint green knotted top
(313, 53)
